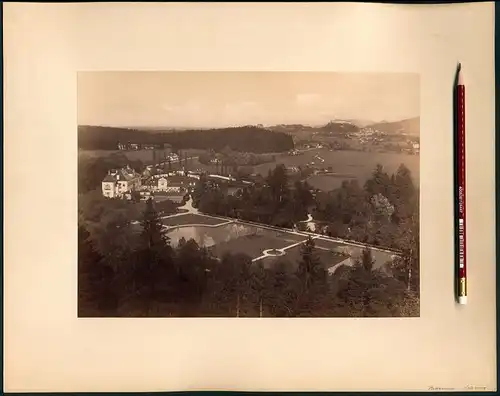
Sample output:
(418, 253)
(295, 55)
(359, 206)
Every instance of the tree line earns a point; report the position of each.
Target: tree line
(145, 276)
(272, 202)
(244, 138)
(235, 158)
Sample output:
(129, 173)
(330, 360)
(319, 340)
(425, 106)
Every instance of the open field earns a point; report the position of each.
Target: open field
(346, 164)
(133, 155)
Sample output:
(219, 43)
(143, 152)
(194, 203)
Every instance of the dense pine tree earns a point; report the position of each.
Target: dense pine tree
(96, 296)
(153, 272)
(153, 233)
(310, 269)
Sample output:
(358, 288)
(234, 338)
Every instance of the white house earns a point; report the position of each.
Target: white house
(175, 183)
(163, 185)
(119, 182)
(174, 196)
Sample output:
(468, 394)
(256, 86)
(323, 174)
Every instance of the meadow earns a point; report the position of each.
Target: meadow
(346, 165)
(145, 156)
(133, 155)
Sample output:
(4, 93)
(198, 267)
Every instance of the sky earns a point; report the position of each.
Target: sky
(219, 99)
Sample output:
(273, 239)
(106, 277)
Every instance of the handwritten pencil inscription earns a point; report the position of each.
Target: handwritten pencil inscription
(467, 387)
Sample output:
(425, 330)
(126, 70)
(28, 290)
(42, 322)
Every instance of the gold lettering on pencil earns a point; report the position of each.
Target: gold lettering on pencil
(461, 199)
(463, 287)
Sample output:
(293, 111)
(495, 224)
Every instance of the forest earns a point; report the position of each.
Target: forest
(245, 138)
(155, 279)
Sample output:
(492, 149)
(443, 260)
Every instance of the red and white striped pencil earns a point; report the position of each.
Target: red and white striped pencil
(462, 289)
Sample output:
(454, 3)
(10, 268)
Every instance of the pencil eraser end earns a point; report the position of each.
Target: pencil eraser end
(462, 300)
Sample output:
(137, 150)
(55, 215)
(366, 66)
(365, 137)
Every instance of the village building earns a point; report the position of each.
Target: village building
(119, 183)
(221, 178)
(169, 182)
(193, 175)
(175, 182)
(174, 196)
(172, 156)
(165, 185)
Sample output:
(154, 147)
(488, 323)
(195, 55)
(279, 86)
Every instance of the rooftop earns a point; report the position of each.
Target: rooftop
(126, 174)
(170, 193)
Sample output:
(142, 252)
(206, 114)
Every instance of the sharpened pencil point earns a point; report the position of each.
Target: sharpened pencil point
(460, 79)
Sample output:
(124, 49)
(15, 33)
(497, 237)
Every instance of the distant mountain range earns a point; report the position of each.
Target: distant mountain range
(257, 139)
(410, 126)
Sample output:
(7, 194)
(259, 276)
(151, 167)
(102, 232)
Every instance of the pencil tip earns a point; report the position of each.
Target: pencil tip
(460, 79)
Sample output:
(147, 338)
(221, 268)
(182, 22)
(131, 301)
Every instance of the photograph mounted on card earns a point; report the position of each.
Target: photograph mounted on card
(231, 196)
(248, 194)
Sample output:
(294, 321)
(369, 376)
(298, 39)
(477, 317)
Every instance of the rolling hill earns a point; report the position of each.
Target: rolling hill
(245, 138)
(410, 126)
(340, 127)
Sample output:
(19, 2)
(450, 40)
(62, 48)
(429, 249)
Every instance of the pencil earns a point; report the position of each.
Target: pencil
(462, 256)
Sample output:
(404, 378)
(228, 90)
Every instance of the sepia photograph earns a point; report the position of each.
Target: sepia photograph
(248, 194)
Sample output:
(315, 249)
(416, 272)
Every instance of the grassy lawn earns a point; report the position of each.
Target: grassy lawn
(192, 219)
(252, 245)
(326, 244)
(293, 255)
(287, 237)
